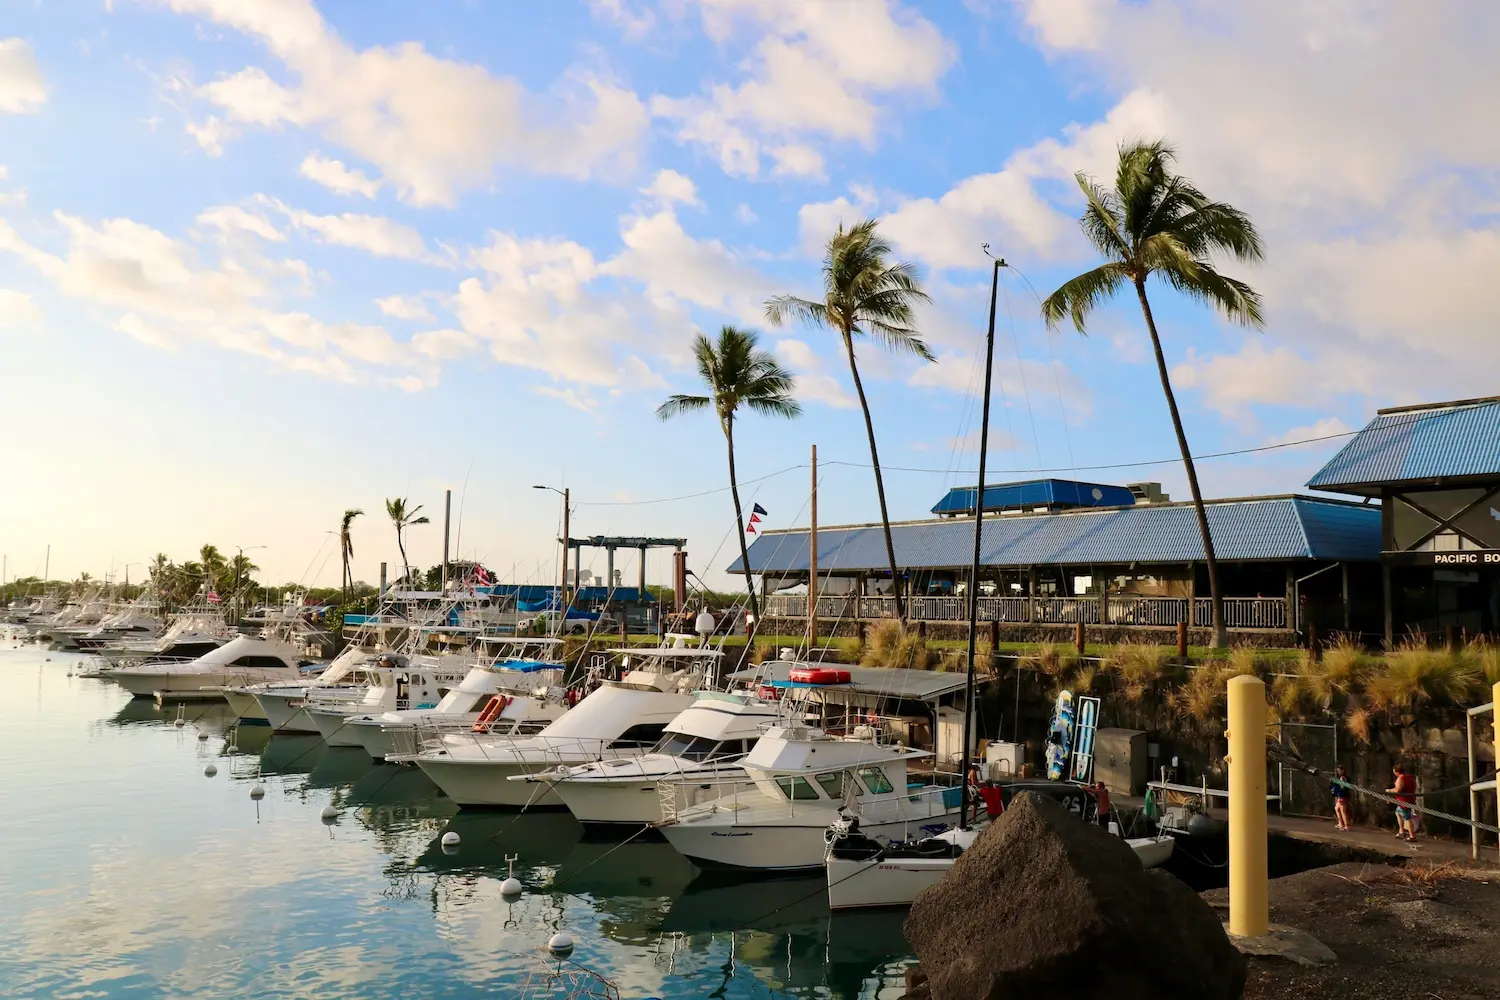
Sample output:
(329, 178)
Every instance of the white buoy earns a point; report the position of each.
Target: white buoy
(231, 748)
(511, 887)
(329, 814)
(202, 734)
(257, 791)
(560, 943)
(450, 839)
(179, 722)
(210, 771)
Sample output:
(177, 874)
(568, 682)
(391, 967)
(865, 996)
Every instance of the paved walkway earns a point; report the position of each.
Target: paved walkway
(1373, 839)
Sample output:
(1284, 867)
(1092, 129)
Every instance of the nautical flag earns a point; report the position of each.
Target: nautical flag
(481, 576)
(749, 529)
(213, 598)
(754, 518)
(758, 509)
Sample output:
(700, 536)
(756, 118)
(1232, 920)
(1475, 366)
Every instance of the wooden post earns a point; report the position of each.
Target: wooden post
(1078, 636)
(1182, 636)
(994, 638)
(1031, 594)
(1385, 586)
(922, 630)
(1344, 570)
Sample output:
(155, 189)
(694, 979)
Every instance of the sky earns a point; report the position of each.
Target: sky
(265, 260)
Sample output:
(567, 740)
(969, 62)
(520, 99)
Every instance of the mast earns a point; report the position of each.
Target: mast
(984, 440)
(447, 517)
(812, 561)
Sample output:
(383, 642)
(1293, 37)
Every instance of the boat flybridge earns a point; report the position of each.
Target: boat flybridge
(698, 758)
(135, 622)
(515, 690)
(239, 661)
(192, 634)
(801, 778)
(283, 706)
(402, 682)
(621, 718)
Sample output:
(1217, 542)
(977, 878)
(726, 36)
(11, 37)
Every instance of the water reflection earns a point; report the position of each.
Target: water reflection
(292, 753)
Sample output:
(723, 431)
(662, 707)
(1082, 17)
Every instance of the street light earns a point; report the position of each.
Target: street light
(564, 494)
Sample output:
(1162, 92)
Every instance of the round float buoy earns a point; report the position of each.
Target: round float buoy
(450, 839)
(210, 771)
(329, 814)
(179, 723)
(511, 887)
(202, 734)
(560, 943)
(231, 749)
(257, 791)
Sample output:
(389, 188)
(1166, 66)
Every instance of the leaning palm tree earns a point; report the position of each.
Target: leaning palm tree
(403, 519)
(346, 548)
(864, 294)
(736, 374)
(1156, 222)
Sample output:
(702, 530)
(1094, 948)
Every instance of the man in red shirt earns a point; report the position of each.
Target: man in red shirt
(1405, 789)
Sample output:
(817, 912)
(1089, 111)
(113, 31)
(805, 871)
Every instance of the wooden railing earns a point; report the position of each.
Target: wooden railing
(1239, 612)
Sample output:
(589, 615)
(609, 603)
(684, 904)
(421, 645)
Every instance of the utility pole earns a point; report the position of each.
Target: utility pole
(447, 516)
(47, 565)
(566, 539)
(812, 560)
(382, 583)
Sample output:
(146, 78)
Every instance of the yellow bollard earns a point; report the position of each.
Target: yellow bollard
(1248, 875)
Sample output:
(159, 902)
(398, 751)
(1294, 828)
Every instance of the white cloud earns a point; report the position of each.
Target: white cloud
(17, 309)
(233, 218)
(403, 307)
(817, 72)
(669, 187)
(571, 397)
(374, 234)
(336, 177)
(445, 345)
(819, 220)
(635, 22)
(23, 90)
(676, 268)
(813, 383)
(432, 127)
(210, 134)
(1313, 435)
(745, 215)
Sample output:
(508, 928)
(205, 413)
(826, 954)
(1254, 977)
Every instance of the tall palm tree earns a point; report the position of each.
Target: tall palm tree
(214, 564)
(864, 294)
(403, 519)
(1155, 221)
(346, 547)
(736, 374)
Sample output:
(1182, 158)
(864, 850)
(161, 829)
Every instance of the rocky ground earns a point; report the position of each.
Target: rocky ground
(1428, 931)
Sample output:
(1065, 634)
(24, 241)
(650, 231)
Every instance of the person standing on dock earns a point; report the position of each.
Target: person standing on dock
(1405, 788)
(1340, 789)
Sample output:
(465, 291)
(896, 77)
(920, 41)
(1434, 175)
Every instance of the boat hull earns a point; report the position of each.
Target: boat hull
(639, 801)
(377, 739)
(331, 726)
(245, 707)
(470, 783)
(778, 847)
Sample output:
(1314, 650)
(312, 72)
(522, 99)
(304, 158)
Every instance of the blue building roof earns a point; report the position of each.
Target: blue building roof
(1259, 529)
(1417, 445)
(1035, 493)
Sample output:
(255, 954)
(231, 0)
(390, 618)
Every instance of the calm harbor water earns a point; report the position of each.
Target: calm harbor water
(126, 872)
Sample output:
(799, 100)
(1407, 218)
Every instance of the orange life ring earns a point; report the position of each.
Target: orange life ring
(491, 713)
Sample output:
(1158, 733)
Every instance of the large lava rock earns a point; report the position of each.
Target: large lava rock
(1044, 905)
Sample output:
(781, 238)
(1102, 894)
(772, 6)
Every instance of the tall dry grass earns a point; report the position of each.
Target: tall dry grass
(1142, 666)
(1413, 676)
(889, 645)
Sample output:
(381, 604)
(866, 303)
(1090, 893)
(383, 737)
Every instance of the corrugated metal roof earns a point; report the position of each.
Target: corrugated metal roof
(1260, 529)
(1417, 445)
(882, 682)
(1035, 493)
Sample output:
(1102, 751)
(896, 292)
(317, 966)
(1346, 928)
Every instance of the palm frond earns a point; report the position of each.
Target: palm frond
(1236, 300)
(1101, 219)
(780, 308)
(1214, 227)
(680, 404)
(1082, 295)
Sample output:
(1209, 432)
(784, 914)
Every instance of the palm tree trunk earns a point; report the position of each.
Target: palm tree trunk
(1221, 638)
(405, 566)
(739, 519)
(885, 517)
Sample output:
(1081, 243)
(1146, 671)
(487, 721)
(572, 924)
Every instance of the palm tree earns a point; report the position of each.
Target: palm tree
(864, 294)
(214, 565)
(403, 519)
(736, 374)
(1155, 221)
(346, 547)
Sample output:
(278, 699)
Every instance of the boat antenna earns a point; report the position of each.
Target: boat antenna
(984, 435)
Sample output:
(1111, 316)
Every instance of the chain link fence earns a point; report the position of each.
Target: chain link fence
(1304, 794)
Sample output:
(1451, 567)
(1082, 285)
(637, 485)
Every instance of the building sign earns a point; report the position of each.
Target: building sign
(1465, 559)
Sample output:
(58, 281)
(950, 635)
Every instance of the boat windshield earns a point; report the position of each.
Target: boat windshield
(796, 789)
(693, 747)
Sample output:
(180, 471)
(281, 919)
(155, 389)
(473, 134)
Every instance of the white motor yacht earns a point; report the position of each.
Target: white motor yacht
(189, 636)
(865, 872)
(802, 778)
(697, 759)
(401, 683)
(520, 693)
(284, 706)
(239, 661)
(621, 718)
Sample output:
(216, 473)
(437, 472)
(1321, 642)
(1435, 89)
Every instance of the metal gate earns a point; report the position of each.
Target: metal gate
(1304, 794)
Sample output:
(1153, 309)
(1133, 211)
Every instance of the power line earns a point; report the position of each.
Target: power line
(686, 496)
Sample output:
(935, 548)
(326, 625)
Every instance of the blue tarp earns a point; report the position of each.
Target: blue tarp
(529, 666)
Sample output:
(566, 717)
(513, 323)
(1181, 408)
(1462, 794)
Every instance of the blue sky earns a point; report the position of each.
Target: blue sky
(262, 261)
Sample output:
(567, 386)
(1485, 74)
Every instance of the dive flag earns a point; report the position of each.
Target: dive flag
(758, 509)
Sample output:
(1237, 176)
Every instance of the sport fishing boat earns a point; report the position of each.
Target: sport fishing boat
(865, 872)
(400, 683)
(520, 693)
(802, 777)
(283, 706)
(621, 718)
(240, 661)
(699, 751)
